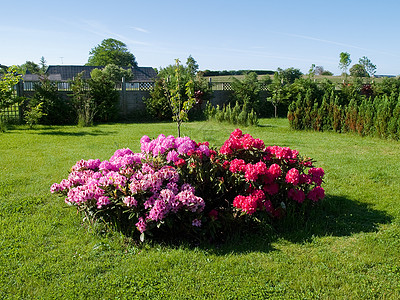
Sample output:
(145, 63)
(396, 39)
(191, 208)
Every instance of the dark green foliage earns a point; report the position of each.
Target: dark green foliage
(289, 75)
(157, 105)
(239, 72)
(371, 109)
(394, 123)
(83, 102)
(105, 97)
(358, 70)
(383, 115)
(56, 110)
(247, 91)
(240, 115)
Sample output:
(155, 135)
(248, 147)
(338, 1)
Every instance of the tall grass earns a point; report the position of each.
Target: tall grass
(348, 249)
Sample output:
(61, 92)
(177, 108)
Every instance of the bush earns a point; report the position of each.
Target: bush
(179, 188)
(56, 110)
(105, 98)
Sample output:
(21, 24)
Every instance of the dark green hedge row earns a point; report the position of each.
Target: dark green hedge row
(366, 115)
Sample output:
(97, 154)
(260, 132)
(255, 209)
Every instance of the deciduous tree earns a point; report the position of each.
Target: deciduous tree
(358, 70)
(344, 62)
(111, 51)
(369, 67)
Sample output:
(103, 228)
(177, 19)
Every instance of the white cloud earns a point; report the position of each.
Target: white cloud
(140, 29)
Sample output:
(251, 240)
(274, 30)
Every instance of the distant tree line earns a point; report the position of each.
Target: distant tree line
(238, 72)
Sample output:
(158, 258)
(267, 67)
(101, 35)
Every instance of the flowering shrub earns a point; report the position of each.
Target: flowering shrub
(274, 177)
(178, 185)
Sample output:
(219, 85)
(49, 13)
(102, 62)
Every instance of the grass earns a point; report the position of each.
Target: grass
(349, 249)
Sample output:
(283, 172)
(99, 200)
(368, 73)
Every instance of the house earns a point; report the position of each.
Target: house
(65, 73)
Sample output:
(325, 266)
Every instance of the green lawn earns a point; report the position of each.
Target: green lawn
(348, 250)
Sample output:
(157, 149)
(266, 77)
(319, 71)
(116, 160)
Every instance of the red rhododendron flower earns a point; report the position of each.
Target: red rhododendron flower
(272, 189)
(297, 195)
(293, 176)
(180, 162)
(275, 170)
(316, 194)
(213, 214)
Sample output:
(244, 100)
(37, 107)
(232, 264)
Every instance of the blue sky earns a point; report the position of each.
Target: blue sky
(220, 35)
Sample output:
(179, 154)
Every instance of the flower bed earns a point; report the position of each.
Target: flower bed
(177, 187)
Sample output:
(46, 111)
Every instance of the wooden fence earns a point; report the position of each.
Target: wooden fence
(131, 95)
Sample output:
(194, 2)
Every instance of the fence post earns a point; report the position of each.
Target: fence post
(123, 97)
(20, 93)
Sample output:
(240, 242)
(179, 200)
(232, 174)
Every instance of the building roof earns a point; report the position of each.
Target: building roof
(65, 73)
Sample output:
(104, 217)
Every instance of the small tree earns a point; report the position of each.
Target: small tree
(56, 110)
(289, 75)
(369, 67)
(82, 100)
(278, 93)
(43, 66)
(7, 83)
(179, 106)
(344, 62)
(104, 94)
(358, 71)
(158, 104)
(247, 91)
(33, 114)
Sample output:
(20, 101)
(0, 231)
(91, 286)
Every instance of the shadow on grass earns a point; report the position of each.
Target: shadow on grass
(335, 216)
(266, 126)
(95, 132)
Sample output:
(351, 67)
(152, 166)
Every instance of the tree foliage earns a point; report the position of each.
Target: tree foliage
(358, 70)
(82, 100)
(369, 67)
(113, 72)
(289, 75)
(344, 61)
(179, 106)
(111, 51)
(7, 83)
(56, 110)
(103, 92)
(247, 91)
(158, 105)
(279, 93)
(30, 67)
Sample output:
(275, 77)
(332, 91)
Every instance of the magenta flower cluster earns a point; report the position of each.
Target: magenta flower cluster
(130, 181)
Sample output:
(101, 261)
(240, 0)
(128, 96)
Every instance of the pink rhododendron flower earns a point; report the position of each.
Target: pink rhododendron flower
(172, 156)
(155, 184)
(130, 201)
(196, 223)
(141, 225)
(103, 201)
